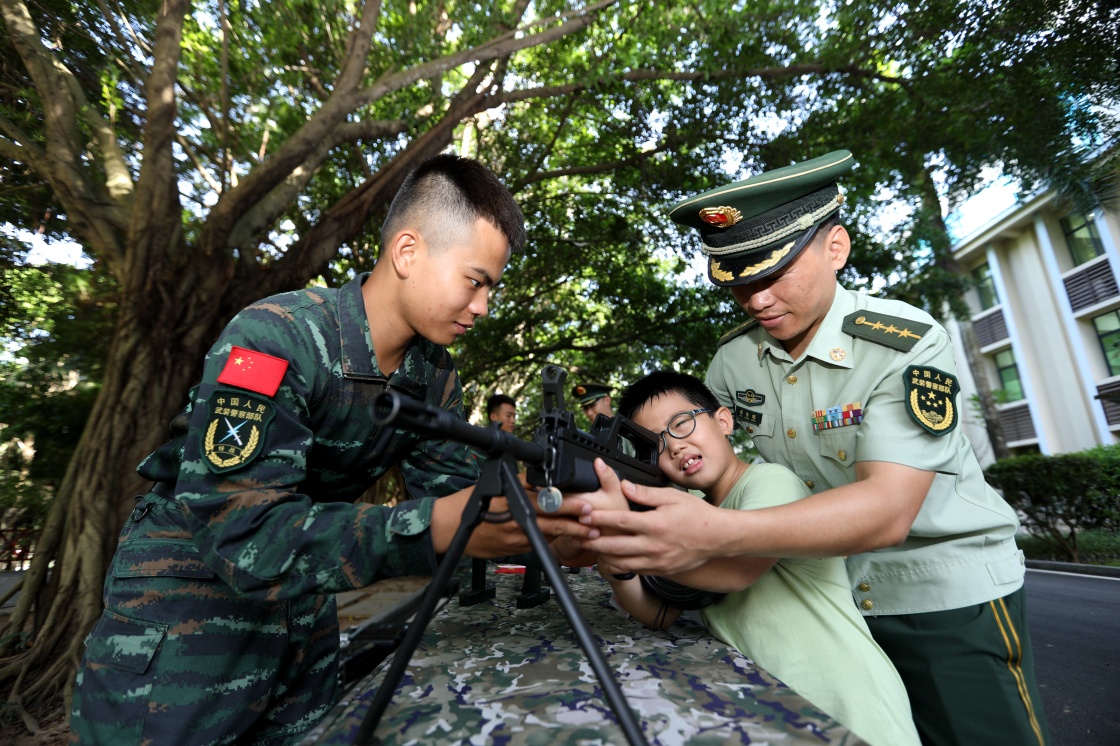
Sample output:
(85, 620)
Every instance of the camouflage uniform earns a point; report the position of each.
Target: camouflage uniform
(218, 626)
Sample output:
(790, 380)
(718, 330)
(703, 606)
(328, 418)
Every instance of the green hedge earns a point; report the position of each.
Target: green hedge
(1059, 496)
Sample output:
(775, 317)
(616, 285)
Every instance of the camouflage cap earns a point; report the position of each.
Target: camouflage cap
(585, 393)
(753, 228)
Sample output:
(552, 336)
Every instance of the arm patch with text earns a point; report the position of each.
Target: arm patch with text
(930, 397)
(235, 429)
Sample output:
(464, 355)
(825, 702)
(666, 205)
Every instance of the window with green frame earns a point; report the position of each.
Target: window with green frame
(1108, 332)
(1082, 238)
(985, 286)
(1008, 372)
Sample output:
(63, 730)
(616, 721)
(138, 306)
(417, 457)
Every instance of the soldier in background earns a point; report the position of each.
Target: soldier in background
(220, 623)
(594, 399)
(501, 411)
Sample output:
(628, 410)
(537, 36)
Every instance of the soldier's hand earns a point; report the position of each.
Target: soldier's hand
(499, 539)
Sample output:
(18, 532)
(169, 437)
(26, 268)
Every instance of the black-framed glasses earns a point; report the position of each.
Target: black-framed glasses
(680, 426)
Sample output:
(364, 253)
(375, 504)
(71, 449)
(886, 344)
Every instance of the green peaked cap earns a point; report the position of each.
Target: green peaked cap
(585, 393)
(753, 228)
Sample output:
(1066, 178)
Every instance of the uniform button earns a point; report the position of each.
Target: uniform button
(867, 604)
(791, 380)
(791, 433)
(750, 429)
(842, 454)
(810, 483)
(864, 587)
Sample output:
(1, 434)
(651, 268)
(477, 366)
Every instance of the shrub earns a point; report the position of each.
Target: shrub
(1058, 496)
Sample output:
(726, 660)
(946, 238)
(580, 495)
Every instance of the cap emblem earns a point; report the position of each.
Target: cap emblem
(721, 217)
(580, 391)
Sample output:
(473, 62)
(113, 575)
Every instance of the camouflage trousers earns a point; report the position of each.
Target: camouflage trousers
(179, 657)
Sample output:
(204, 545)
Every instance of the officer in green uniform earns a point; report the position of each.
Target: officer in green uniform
(594, 399)
(859, 397)
(220, 625)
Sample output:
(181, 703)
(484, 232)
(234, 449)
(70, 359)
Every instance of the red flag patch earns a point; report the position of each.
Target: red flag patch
(253, 370)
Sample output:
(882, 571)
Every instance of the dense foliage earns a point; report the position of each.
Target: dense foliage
(1063, 495)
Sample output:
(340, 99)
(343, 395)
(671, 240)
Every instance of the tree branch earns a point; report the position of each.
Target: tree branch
(156, 226)
(265, 211)
(503, 45)
(768, 73)
(96, 217)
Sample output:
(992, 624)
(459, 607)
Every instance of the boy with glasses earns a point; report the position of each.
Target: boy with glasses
(792, 616)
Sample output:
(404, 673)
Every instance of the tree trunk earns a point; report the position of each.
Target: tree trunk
(931, 205)
(146, 378)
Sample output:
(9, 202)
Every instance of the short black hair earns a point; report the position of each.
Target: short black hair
(445, 195)
(495, 402)
(662, 382)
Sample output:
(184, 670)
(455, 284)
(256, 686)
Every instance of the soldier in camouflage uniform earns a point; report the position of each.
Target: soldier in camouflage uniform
(219, 623)
(858, 396)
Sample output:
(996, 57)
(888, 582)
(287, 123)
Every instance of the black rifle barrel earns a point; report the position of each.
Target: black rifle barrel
(391, 407)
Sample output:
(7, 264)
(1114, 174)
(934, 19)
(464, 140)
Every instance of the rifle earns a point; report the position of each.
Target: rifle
(560, 458)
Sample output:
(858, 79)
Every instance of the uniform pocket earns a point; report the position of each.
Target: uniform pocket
(111, 700)
(123, 643)
(153, 558)
(838, 445)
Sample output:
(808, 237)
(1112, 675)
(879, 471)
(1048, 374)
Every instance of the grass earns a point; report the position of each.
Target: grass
(1097, 547)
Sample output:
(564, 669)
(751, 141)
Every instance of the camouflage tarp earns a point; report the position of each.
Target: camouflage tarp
(492, 673)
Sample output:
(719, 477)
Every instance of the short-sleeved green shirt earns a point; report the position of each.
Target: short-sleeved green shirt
(847, 399)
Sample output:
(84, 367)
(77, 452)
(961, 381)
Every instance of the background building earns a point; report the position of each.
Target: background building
(1046, 316)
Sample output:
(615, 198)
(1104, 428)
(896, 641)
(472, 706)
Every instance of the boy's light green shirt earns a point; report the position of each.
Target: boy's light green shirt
(961, 548)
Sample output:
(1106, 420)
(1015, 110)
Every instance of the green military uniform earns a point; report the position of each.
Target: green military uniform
(877, 382)
(218, 623)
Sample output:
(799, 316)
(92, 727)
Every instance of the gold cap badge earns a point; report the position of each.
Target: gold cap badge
(721, 217)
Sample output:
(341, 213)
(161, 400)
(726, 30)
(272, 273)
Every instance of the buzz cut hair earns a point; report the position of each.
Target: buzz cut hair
(444, 197)
(495, 402)
(661, 383)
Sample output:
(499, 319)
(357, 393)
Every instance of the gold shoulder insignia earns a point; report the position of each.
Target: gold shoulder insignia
(891, 331)
(737, 332)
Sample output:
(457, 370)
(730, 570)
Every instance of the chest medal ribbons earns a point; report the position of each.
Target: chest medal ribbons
(235, 430)
(930, 394)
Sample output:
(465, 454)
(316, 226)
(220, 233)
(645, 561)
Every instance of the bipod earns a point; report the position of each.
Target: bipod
(499, 477)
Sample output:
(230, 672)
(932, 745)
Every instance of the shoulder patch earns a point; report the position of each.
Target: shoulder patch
(235, 429)
(252, 370)
(930, 394)
(737, 332)
(891, 331)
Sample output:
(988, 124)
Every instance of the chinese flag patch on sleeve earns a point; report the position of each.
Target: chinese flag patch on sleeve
(253, 370)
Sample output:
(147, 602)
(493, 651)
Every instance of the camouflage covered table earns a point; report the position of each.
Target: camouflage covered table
(492, 673)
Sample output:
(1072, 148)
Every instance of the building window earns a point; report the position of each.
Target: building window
(1108, 332)
(985, 287)
(1082, 238)
(1008, 371)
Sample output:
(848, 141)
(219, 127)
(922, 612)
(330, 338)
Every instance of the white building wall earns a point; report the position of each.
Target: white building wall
(1057, 352)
